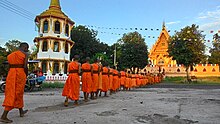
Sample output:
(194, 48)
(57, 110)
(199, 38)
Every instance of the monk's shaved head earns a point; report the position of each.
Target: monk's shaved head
(24, 46)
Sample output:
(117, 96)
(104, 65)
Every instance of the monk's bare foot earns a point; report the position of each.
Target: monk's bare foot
(76, 103)
(66, 103)
(86, 100)
(23, 113)
(5, 120)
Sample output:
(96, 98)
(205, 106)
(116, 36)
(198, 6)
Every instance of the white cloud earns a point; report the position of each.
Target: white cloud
(174, 22)
(211, 25)
(209, 20)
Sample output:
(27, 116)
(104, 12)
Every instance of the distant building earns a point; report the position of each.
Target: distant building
(160, 61)
(158, 54)
(53, 41)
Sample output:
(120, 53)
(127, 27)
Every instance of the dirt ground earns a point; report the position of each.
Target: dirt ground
(139, 106)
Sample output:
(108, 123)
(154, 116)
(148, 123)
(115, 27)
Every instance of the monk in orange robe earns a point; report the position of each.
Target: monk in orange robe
(71, 88)
(100, 79)
(86, 78)
(15, 82)
(115, 79)
(130, 80)
(119, 82)
(126, 80)
(105, 79)
(95, 78)
(111, 80)
(133, 80)
(122, 81)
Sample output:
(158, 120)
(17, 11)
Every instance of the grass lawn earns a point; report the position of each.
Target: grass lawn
(53, 85)
(200, 80)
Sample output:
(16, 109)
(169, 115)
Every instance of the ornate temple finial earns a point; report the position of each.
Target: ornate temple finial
(163, 27)
(55, 4)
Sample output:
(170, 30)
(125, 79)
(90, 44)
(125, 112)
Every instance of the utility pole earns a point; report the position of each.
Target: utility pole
(115, 57)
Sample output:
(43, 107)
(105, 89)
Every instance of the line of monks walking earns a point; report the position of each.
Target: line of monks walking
(97, 78)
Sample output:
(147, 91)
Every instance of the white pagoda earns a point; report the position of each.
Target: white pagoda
(53, 41)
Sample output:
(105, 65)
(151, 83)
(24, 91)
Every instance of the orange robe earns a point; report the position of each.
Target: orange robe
(15, 82)
(95, 77)
(126, 80)
(105, 79)
(133, 81)
(130, 81)
(122, 78)
(72, 86)
(146, 80)
(119, 82)
(111, 79)
(86, 78)
(115, 80)
(137, 80)
(100, 78)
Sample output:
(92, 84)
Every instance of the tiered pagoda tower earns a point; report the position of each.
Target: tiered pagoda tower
(158, 54)
(53, 41)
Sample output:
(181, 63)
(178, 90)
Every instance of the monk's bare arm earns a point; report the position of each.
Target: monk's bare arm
(79, 68)
(91, 70)
(25, 64)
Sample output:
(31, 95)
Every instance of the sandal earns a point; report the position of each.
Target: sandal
(23, 113)
(6, 120)
(66, 103)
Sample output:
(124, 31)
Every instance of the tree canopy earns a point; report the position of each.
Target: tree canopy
(187, 47)
(3, 58)
(133, 51)
(86, 43)
(215, 50)
(12, 45)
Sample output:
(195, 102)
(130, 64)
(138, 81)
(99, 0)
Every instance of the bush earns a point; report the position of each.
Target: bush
(53, 85)
(174, 79)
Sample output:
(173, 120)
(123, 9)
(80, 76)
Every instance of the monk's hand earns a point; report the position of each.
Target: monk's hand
(26, 71)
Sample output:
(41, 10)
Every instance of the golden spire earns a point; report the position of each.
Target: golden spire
(163, 27)
(55, 4)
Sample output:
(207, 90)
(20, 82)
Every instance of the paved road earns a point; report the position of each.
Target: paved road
(139, 106)
(191, 86)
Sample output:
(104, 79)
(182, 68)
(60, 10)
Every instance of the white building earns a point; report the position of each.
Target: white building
(53, 41)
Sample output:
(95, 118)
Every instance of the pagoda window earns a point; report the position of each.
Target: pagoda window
(67, 30)
(45, 26)
(65, 67)
(55, 68)
(45, 46)
(56, 46)
(44, 67)
(161, 62)
(66, 48)
(57, 27)
(163, 44)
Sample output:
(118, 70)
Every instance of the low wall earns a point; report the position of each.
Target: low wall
(199, 70)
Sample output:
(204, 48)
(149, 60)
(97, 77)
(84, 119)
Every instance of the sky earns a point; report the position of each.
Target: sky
(101, 15)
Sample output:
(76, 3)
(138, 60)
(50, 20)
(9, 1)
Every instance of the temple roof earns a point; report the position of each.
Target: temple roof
(55, 4)
(53, 11)
(163, 37)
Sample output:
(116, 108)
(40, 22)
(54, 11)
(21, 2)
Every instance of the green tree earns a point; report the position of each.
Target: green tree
(12, 45)
(33, 56)
(86, 43)
(133, 51)
(102, 56)
(186, 47)
(3, 58)
(215, 50)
